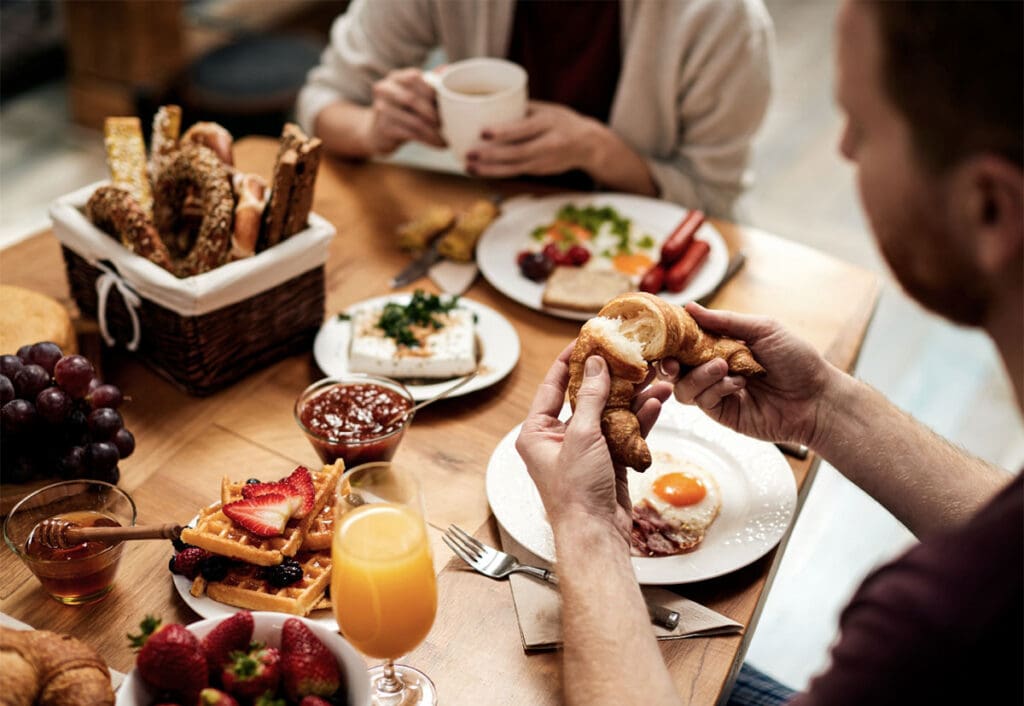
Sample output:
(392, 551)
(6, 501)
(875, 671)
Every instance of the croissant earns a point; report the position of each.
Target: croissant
(632, 330)
(44, 668)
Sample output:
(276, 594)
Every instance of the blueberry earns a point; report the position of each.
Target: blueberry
(253, 481)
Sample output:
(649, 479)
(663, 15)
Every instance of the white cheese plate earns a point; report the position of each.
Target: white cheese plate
(497, 340)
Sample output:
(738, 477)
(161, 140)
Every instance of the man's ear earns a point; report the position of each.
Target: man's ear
(988, 196)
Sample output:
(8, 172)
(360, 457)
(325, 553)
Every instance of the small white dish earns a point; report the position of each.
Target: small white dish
(755, 482)
(510, 234)
(497, 338)
(267, 629)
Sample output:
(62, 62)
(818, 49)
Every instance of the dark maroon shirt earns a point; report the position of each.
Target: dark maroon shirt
(943, 624)
(571, 52)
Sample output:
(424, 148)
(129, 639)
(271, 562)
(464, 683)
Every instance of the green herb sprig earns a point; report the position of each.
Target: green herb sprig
(396, 319)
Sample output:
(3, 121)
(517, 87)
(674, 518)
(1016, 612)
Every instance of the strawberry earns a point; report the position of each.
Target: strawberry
(215, 697)
(308, 667)
(170, 659)
(314, 701)
(264, 516)
(252, 672)
(229, 635)
(298, 488)
(187, 561)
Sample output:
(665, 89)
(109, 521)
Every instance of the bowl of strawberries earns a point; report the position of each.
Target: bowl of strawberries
(246, 659)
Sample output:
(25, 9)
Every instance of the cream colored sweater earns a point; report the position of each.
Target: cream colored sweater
(693, 88)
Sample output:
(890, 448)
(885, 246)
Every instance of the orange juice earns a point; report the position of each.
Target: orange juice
(382, 580)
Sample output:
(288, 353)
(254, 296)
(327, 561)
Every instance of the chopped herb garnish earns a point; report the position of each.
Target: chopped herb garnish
(396, 319)
(646, 241)
(342, 316)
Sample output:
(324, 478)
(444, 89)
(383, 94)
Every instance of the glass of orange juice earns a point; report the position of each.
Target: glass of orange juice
(383, 587)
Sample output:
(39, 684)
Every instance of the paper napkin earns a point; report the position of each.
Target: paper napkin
(538, 607)
(453, 277)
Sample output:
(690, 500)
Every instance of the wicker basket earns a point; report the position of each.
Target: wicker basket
(205, 332)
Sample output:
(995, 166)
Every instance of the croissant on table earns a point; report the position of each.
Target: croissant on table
(48, 669)
(631, 331)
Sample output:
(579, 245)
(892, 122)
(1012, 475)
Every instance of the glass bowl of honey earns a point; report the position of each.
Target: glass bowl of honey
(83, 573)
(358, 418)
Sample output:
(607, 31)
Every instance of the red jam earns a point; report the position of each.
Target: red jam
(355, 422)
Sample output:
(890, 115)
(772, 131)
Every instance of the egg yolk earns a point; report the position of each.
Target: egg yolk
(679, 489)
(632, 264)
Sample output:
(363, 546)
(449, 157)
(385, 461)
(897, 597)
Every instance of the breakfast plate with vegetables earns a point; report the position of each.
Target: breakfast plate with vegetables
(421, 339)
(601, 241)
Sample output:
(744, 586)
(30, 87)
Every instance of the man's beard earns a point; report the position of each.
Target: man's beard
(943, 279)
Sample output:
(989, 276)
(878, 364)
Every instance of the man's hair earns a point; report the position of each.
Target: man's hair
(955, 70)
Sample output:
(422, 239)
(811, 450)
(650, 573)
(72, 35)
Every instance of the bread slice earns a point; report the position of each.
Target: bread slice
(579, 289)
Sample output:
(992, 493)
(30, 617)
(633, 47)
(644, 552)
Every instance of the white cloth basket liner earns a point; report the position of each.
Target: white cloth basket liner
(201, 294)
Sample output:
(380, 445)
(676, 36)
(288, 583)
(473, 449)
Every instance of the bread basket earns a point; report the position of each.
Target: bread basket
(202, 332)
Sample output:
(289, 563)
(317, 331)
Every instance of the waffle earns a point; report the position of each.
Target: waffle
(321, 530)
(217, 533)
(244, 587)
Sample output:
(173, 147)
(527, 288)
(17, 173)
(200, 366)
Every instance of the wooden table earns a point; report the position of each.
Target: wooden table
(474, 653)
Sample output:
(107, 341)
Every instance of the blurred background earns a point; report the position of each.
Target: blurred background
(66, 65)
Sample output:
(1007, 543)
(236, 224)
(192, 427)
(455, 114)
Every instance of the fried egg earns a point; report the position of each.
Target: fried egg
(678, 493)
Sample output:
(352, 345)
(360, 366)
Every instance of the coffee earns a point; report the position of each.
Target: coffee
(474, 91)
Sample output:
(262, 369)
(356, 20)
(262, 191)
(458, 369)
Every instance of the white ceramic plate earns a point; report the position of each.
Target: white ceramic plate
(498, 340)
(757, 488)
(209, 608)
(267, 629)
(510, 233)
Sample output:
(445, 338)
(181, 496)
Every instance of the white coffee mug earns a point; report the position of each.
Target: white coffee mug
(476, 93)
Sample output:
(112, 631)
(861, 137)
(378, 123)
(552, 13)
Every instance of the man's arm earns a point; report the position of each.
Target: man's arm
(926, 482)
(922, 479)
(611, 656)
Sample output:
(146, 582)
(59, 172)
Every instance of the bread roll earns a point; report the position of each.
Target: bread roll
(45, 668)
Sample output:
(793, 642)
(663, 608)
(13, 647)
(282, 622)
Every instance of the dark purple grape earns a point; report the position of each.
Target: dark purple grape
(111, 475)
(104, 423)
(23, 353)
(105, 396)
(45, 355)
(73, 373)
(10, 365)
(536, 266)
(100, 457)
(53, 405)
(124, 440)
(21, 470)
(6, 390)
(19, 416)
(72, 462)
(30, 381)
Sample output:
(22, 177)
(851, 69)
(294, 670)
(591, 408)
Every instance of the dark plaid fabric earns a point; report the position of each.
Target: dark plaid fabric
(755, 688)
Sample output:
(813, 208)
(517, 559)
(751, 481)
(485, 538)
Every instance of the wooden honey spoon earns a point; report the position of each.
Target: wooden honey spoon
(62, 534)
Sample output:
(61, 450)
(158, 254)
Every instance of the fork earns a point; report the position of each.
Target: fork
(497, 564)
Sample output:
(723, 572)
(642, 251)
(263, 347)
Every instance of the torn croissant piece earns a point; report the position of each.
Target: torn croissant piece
(631, 331)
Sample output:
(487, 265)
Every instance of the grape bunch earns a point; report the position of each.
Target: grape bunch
(57, 419)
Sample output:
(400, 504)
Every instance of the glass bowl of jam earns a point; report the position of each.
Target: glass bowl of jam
(83, 573)
(357, 418)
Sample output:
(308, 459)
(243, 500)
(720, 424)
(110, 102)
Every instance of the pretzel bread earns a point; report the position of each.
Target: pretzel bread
(631, 331)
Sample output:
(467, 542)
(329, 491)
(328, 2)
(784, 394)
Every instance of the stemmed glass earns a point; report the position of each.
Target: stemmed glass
(383, 587)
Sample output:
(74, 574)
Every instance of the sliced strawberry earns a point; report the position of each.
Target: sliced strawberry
(302, 481)
(264, 516)
(298, 488)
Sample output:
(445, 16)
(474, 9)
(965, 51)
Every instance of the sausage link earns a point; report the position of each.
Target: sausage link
(653, 280)
(680, 274)
(677, 243)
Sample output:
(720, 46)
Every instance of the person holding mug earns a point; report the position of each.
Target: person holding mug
(653, 97)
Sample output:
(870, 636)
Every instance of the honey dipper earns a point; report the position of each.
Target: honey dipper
(62, 534)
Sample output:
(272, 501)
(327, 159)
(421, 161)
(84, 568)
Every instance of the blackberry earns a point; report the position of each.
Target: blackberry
(214, 568)
(284, 574)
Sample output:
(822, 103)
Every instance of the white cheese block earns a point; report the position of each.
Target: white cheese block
(443, 353)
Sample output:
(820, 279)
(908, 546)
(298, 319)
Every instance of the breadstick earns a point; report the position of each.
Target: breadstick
(126, 158)
(166, 130)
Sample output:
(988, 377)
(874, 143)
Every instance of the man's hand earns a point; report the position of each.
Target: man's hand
(404, 108)
(569, 461)
(551, 139)
(786, 404)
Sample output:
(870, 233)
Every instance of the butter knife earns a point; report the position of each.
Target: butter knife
(731, 270)
(418, 267)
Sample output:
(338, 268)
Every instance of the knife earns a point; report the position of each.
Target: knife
(731, 270)
(418, 267)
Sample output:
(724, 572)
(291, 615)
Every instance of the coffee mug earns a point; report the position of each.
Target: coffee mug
(476, 93)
